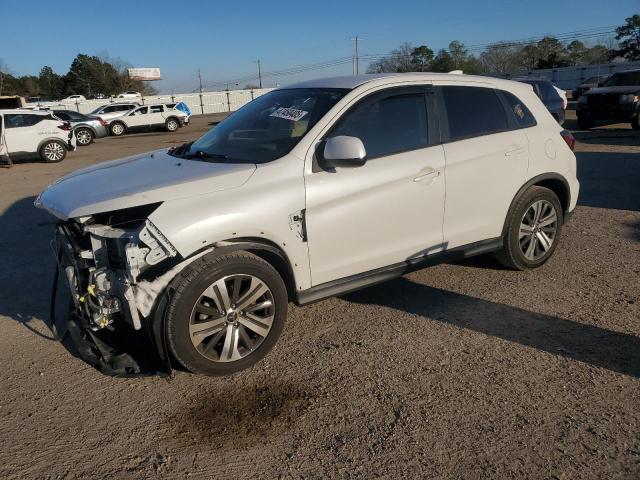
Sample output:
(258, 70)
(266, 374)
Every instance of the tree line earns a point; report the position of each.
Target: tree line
(88, 75)
(506, 57)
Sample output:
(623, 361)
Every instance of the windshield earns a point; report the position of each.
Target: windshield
(622, 79)
(266, 128)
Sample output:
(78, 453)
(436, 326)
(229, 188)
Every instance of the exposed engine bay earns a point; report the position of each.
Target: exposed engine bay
(111, 263)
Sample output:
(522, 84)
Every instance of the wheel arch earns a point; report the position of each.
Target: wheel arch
(49, 139)
(554, 182)
(88, 127)
(269, 251)
(113, 122)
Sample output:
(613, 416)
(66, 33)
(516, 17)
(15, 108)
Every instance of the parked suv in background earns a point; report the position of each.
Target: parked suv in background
(148, 117)
(549, 95)
(34, 132)
(588, 84)
(107, 112)
(86, 128)
(617, 100)
(307, 192)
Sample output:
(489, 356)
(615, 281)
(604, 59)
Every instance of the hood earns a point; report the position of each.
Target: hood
(139, 180)
(622, 89)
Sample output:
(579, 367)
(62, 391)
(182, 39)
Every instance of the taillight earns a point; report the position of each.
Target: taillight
(568, 138)
(65, 126)
(102, 122)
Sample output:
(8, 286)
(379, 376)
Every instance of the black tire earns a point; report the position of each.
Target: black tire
(511, 254)
(635, 122)
(53, 151)
(585, 123)
(171, 125)
(186, 291)
(117, 129)
(84, 136)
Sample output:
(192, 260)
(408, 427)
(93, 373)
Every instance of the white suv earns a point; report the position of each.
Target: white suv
(34, 132)
(148, 117)
(307, 192)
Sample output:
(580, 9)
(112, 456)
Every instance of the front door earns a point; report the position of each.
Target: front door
(390, 209)
(20, 136)
(138, 119)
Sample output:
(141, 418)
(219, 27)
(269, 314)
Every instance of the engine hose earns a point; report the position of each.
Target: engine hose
(54, 295)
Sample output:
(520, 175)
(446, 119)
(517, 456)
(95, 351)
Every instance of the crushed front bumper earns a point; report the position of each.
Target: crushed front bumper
(117, 348)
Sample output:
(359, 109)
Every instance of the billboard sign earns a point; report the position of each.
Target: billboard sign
(145, 74)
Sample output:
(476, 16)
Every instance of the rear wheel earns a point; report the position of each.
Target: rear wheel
(84, 136)
(53, 151)
(171, 125)
(117, 129)
(226, 313)
(533, 230)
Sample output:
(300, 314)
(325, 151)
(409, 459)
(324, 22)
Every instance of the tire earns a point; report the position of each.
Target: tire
(117, 129)
(84, 136)
(199, 336)
(584, 123)
(53, 151)
(531, 235)
(171, 125)
(635, 122)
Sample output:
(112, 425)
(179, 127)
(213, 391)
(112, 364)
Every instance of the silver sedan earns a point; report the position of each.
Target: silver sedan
(86, 128)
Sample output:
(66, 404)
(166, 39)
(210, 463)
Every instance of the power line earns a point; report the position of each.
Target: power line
(474, 48)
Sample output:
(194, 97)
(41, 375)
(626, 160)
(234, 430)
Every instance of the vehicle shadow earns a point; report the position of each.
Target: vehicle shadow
(600, 347)
(27, 264)
(609, 180)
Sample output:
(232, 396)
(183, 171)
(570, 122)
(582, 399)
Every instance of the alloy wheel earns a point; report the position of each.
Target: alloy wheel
(54, 152)
(231, 318)
(117, 129)
(83, 137)
(538, 229)
(172, 125)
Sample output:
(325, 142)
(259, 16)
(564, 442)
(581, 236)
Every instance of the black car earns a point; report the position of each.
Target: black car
(617, 100)
(549, 96)
(588, 84)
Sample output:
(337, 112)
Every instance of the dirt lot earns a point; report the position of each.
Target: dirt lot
(458, 371)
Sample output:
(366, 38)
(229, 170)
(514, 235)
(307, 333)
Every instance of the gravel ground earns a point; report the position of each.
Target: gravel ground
(462, 370)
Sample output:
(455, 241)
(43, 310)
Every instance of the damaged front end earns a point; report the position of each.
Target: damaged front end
(115, 265)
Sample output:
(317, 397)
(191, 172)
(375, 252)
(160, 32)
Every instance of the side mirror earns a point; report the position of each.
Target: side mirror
(344, 151)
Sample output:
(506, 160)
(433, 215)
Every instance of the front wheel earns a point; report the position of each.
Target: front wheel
(533, 230)
(53, 151)
(171, 125)
(226, 313)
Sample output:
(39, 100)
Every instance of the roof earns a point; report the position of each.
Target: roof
(353, 81)
(25, 110)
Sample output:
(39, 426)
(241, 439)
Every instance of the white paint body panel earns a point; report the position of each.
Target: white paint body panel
(22, 140)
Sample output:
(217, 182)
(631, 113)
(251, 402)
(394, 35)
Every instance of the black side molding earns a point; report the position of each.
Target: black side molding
(366, 279)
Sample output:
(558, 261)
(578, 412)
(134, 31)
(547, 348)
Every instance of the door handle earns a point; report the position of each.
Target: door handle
(514, 150)
(427, 173)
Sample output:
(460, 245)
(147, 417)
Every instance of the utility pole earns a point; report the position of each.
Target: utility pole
(259, 74)
(200, 82)
(357, 40)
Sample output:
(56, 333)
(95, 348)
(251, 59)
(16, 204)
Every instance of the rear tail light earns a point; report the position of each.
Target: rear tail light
(569, 138)
(65, 126)
(102, 122)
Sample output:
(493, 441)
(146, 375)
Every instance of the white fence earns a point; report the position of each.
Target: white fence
(569, 78)
(199, 103)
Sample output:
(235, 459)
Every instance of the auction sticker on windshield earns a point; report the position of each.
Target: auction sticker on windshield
(289, 113)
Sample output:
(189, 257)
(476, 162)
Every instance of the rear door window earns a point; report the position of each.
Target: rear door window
(473, 111)
(22, 120)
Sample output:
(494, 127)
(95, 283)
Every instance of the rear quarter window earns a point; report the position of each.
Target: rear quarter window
(521, 114)
(473, 111)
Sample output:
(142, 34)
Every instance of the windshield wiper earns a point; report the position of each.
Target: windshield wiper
(203, 154)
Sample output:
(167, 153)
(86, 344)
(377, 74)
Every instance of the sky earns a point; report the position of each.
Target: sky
(225, 39)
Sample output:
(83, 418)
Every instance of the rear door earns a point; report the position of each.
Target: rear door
(156, 115)
(23, 132)
(487, 156)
